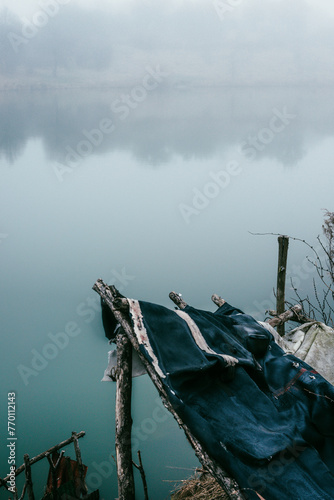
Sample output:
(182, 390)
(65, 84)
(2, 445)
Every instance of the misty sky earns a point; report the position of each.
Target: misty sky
(28, 7)
(271, 42)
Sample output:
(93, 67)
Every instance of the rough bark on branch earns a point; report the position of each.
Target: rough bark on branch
(126, 486)
(293, 314)
(177, 299)
(283, 245)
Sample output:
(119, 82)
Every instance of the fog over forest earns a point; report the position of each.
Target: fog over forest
(202, 42)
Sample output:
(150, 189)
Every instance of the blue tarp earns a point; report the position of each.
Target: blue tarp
(266, 417)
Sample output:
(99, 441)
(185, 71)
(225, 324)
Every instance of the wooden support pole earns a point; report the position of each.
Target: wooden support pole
(283, 245)
(229, 485)
(30, 491)
(83, 487)
(53, 469)
(126, 486)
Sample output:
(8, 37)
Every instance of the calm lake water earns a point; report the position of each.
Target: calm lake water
(154, 192)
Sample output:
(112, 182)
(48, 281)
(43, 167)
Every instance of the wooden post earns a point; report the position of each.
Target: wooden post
(126, 487)
(28, 477)
(283, 245)
(83, 488)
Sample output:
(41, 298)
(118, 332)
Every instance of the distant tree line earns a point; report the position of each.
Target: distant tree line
(68, 37)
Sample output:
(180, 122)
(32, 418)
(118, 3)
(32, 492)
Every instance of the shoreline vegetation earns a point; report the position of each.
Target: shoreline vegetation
(44, 84)
(107, 80)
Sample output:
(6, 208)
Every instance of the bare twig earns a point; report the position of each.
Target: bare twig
(142, 474)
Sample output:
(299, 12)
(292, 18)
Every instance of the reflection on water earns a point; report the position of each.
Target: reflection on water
(190, 123)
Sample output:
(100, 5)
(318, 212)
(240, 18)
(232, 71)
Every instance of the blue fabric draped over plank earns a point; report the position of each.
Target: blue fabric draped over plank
(264, 416)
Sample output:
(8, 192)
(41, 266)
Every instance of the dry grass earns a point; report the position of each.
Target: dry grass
(201, 486)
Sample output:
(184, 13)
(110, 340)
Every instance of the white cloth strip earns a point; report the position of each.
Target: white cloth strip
(141, 334)
(200, 340)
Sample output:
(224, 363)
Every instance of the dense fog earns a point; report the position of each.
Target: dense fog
(218, 41)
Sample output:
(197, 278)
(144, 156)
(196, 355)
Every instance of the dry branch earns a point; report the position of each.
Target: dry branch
(293, 314)
(142, 474)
